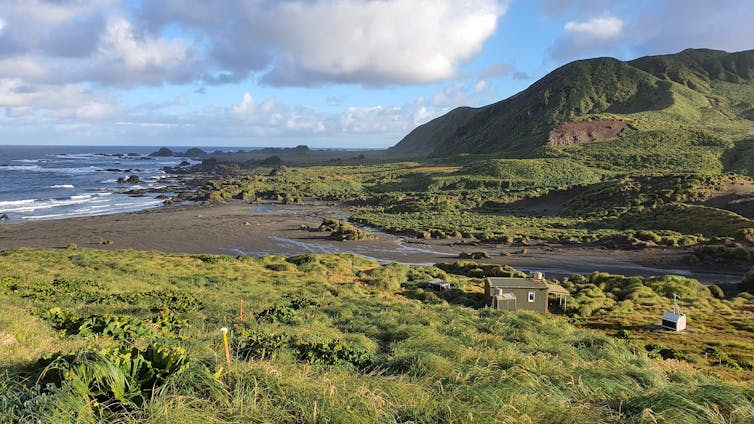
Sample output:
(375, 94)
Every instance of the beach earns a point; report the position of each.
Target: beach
(240, 228)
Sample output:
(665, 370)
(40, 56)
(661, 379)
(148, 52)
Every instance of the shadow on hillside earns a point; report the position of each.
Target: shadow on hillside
(740, 158)
(454, 296)
(655, 98)
(551, 204)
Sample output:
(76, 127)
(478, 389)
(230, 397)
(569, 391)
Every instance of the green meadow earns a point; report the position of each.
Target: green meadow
(130, 336)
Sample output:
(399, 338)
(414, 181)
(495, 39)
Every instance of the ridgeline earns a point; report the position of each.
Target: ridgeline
(603, 98)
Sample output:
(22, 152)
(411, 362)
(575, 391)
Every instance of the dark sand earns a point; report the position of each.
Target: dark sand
(240, 228)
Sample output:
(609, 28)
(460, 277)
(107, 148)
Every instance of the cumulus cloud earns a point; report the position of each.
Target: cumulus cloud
(288, 42)
(68, 101)
(587, 37)
(398, 41)
(601, 27)
(630, 28)
(125, 56)
(346, 41)
(670, 27)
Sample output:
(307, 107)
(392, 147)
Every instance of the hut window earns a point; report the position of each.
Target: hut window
(531, 296)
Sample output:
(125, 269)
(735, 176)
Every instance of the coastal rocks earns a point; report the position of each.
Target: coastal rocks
(342, 231)
(163, 152)
(195, 152)
(133, 179)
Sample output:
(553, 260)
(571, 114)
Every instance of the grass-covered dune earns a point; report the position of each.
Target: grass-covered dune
(129, 336)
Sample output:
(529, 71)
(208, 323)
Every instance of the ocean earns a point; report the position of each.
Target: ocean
(55, 182)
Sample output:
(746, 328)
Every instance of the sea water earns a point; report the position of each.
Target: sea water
(55, 182)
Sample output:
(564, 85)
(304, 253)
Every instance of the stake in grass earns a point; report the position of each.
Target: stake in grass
(224, 330)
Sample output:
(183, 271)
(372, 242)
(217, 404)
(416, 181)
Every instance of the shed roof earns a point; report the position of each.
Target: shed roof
(557, 289)
(526, 283)
(516, 283)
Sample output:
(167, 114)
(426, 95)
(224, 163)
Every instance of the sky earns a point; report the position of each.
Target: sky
(323, 73)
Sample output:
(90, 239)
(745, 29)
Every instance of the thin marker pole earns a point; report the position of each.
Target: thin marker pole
(225, 342)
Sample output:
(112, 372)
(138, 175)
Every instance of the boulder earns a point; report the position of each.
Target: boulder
(163, 152)
(133, 179)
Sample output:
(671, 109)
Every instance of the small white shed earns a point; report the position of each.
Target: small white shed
(675, 321)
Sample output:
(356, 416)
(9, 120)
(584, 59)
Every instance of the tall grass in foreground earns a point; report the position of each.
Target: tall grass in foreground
(327, 339)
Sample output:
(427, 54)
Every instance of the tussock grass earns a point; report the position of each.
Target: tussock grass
(392, 357)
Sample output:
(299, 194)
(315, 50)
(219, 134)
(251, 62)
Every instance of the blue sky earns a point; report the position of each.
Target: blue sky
(325, 73)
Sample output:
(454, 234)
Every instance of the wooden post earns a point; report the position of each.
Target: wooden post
(240, 314)
(225, 342)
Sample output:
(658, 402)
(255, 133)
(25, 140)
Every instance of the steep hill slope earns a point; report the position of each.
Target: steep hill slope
(694, 89)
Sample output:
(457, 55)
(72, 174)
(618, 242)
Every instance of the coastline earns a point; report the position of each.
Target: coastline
(238, 227)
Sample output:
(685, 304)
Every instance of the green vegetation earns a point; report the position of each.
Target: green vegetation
(617, 303)
(675, 138)
(97, 336)
(342, 231)
(658, 152)
(504, 200)
(661, 97)
(93, 336)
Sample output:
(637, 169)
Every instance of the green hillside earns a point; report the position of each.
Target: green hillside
(704, 90)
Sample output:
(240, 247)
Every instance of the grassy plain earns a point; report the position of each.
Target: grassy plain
(569, 198)
(131, 336)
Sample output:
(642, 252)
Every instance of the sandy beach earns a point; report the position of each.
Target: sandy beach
(241, 228)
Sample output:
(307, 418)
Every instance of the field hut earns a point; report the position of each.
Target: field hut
(522, 294)
(674, 320)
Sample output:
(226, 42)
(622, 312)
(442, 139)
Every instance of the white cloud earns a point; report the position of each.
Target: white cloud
(468, 92)
(120, 44)
(22, 68)
(589, 37)
(246, 106)
(631, 28)
(376, 42)
(289, 42)
(325, 41)
(600, 27)
(69, 101)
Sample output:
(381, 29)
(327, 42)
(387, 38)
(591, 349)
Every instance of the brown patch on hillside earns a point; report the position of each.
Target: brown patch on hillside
(574, 133)
(736, 197)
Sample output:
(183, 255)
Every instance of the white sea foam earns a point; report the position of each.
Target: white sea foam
(16, 203)
(19, 167)
(62, 186)
(105, 209)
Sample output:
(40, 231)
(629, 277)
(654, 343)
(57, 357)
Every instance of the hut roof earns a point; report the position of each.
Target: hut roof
(527, 283)
(557, 289)
(516, 283)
